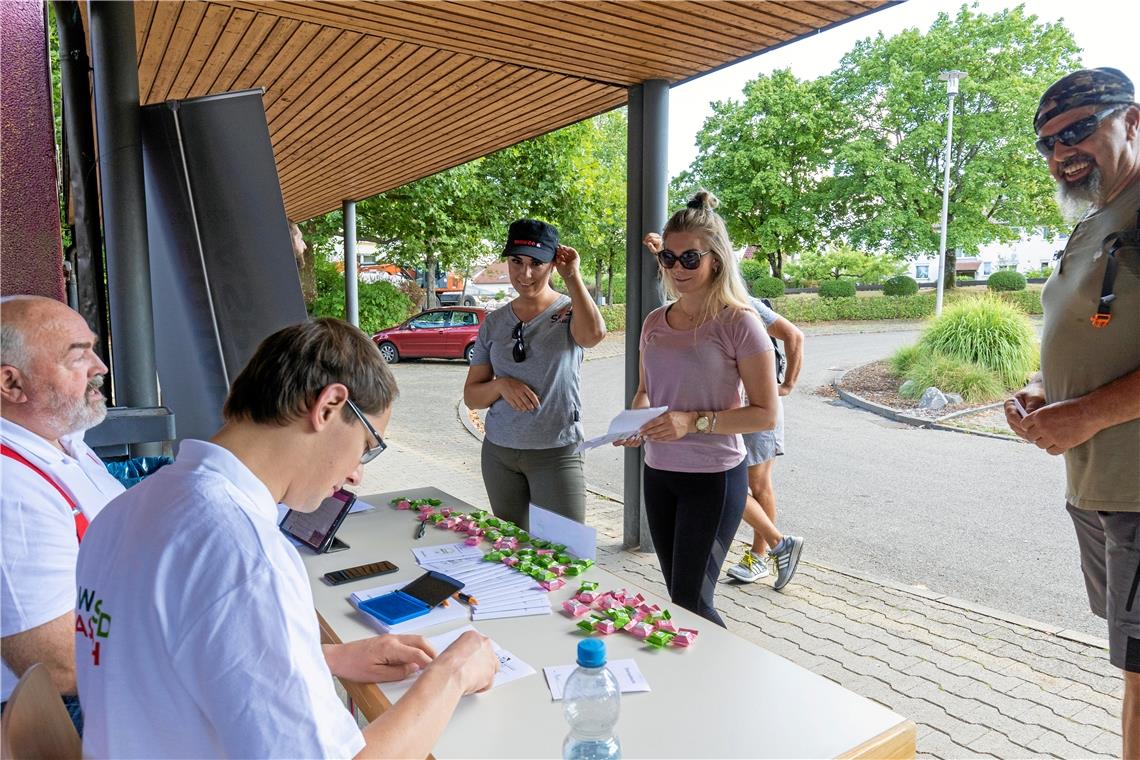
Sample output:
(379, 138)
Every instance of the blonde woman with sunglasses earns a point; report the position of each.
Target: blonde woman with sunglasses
(699, 355)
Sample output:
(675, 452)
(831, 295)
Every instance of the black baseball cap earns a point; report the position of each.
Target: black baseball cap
(530, 237)
(1103, 86)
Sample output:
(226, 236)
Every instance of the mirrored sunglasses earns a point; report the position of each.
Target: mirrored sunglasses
(518, 351)
(690, 259)
(1075, 133)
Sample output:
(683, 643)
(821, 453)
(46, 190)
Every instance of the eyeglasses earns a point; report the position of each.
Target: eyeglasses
(1075, 133)
(690, 259)
(372, 451)
(518, 351)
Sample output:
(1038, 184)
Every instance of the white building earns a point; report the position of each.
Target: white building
(1026, 255)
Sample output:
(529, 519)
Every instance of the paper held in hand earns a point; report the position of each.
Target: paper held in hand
(624, 425)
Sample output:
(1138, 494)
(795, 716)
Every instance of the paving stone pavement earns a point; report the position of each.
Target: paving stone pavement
(976, 682)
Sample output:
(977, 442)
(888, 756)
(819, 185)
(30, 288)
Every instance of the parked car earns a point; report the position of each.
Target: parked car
(434, 333)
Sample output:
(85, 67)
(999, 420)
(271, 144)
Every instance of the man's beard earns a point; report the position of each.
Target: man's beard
(76, 414)
(1077, 199)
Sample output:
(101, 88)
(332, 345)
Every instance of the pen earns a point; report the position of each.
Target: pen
(421, 529)
(466, 598)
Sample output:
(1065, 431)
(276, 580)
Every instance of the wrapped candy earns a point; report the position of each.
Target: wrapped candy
(552, 585)
(575, 608)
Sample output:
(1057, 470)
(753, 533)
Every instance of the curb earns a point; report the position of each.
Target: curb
(938, 423)
(967, 606)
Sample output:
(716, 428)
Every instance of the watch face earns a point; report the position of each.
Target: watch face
(702, 423)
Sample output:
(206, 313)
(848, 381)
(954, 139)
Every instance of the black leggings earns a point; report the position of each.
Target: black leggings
(693, 517)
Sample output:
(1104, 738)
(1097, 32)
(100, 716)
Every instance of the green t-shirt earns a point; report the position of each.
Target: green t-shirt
(1076, 358)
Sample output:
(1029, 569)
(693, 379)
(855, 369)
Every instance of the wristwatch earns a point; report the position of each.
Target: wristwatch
(703, 423)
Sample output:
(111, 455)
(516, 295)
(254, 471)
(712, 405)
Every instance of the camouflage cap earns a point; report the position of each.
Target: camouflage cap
(1103, 86)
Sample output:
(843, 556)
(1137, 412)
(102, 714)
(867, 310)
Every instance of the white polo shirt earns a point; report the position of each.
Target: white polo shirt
(38, 545)
(196, 634)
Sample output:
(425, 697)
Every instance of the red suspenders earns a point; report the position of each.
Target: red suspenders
(80, 518)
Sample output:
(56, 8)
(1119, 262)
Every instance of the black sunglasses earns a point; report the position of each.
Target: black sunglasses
(372, 451)
(1075, 133)
(518, 351)
(690, 259)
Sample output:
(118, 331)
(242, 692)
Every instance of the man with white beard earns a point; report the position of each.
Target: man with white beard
(1085, 402)
(54, 485)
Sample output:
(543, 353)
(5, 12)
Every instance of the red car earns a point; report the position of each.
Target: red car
(435, 333)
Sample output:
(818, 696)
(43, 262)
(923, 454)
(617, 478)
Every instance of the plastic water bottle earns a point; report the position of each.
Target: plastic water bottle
(591, 703)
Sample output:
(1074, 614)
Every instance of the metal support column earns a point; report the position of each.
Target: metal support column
(79, 138)
(115, 67)
(351, 300)
(647, 185)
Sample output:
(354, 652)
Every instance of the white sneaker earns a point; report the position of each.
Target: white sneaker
(751, 567)
(787, 561)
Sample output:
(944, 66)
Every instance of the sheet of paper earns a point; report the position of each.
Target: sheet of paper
(511, 668)
(360, 505)
(477, 614)
(626, 423)
(440, 614)
(581, 540)
(626, 672)
(429, 554)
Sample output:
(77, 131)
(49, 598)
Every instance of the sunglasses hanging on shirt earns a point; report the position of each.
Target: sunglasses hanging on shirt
(690, 259)
(518, 351)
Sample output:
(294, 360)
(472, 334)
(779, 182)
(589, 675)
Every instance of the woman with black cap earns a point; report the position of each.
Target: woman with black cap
(526, 370)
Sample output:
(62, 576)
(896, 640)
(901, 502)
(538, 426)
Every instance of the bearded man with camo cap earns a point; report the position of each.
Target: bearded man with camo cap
(1085, 402)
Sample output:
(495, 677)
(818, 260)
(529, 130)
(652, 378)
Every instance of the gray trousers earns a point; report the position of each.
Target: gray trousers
(548, 478)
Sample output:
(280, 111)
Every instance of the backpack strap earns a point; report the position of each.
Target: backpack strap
(80, 518)
(1110, 245)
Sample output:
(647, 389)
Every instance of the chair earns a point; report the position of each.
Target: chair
(35, 723)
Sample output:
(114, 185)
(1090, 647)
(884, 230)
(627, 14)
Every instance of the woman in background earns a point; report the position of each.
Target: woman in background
(526, 368)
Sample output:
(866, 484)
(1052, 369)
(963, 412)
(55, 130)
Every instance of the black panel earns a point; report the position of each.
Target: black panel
(223, 273)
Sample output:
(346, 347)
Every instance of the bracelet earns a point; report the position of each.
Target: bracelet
(712, 425)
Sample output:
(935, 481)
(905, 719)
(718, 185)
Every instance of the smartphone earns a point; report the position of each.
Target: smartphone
(1018, 406)
(360, 572)
(432, 587)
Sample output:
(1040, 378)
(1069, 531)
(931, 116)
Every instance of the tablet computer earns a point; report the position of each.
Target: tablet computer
(317, 529)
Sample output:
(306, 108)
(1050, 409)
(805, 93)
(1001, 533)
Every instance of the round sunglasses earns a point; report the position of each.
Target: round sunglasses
(690, 259)
(1075, 133)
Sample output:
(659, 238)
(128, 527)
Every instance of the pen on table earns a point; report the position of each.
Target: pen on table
(466, 598)
(421, 529)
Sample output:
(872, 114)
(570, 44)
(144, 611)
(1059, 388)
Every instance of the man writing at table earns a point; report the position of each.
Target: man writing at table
(195, 628)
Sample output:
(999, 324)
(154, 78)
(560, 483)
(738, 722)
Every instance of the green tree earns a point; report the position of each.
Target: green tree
(886, 191)
(763, 158)
(843, 262)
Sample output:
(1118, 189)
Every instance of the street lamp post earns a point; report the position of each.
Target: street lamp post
(951, 78)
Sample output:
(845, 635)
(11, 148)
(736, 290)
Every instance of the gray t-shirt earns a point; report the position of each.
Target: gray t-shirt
(552, 369)
(767, 315)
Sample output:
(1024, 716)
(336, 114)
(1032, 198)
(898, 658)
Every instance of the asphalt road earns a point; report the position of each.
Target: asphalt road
(976, 518)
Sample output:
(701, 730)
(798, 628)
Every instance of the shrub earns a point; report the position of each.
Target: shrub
(752, 269)
(766, 287)
(1027, 301)
(614, 317)
(381, 304)
(1006, 280)
(900, 285)
(1042, 273)
(989, 332)
(905, 358)
(837, 289)
(811, 309)
(951, 374)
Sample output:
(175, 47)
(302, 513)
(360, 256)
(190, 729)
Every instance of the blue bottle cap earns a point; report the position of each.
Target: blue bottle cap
(591, 653)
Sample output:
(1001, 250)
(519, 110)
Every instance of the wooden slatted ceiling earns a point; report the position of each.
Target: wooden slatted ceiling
(362, 97)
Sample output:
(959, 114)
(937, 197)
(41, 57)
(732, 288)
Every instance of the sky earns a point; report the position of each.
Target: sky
(1105, 29)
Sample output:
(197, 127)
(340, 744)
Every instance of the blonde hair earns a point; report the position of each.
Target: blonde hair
(726, 288)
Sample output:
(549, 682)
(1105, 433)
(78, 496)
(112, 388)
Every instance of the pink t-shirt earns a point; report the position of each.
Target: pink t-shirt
(696, 371)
